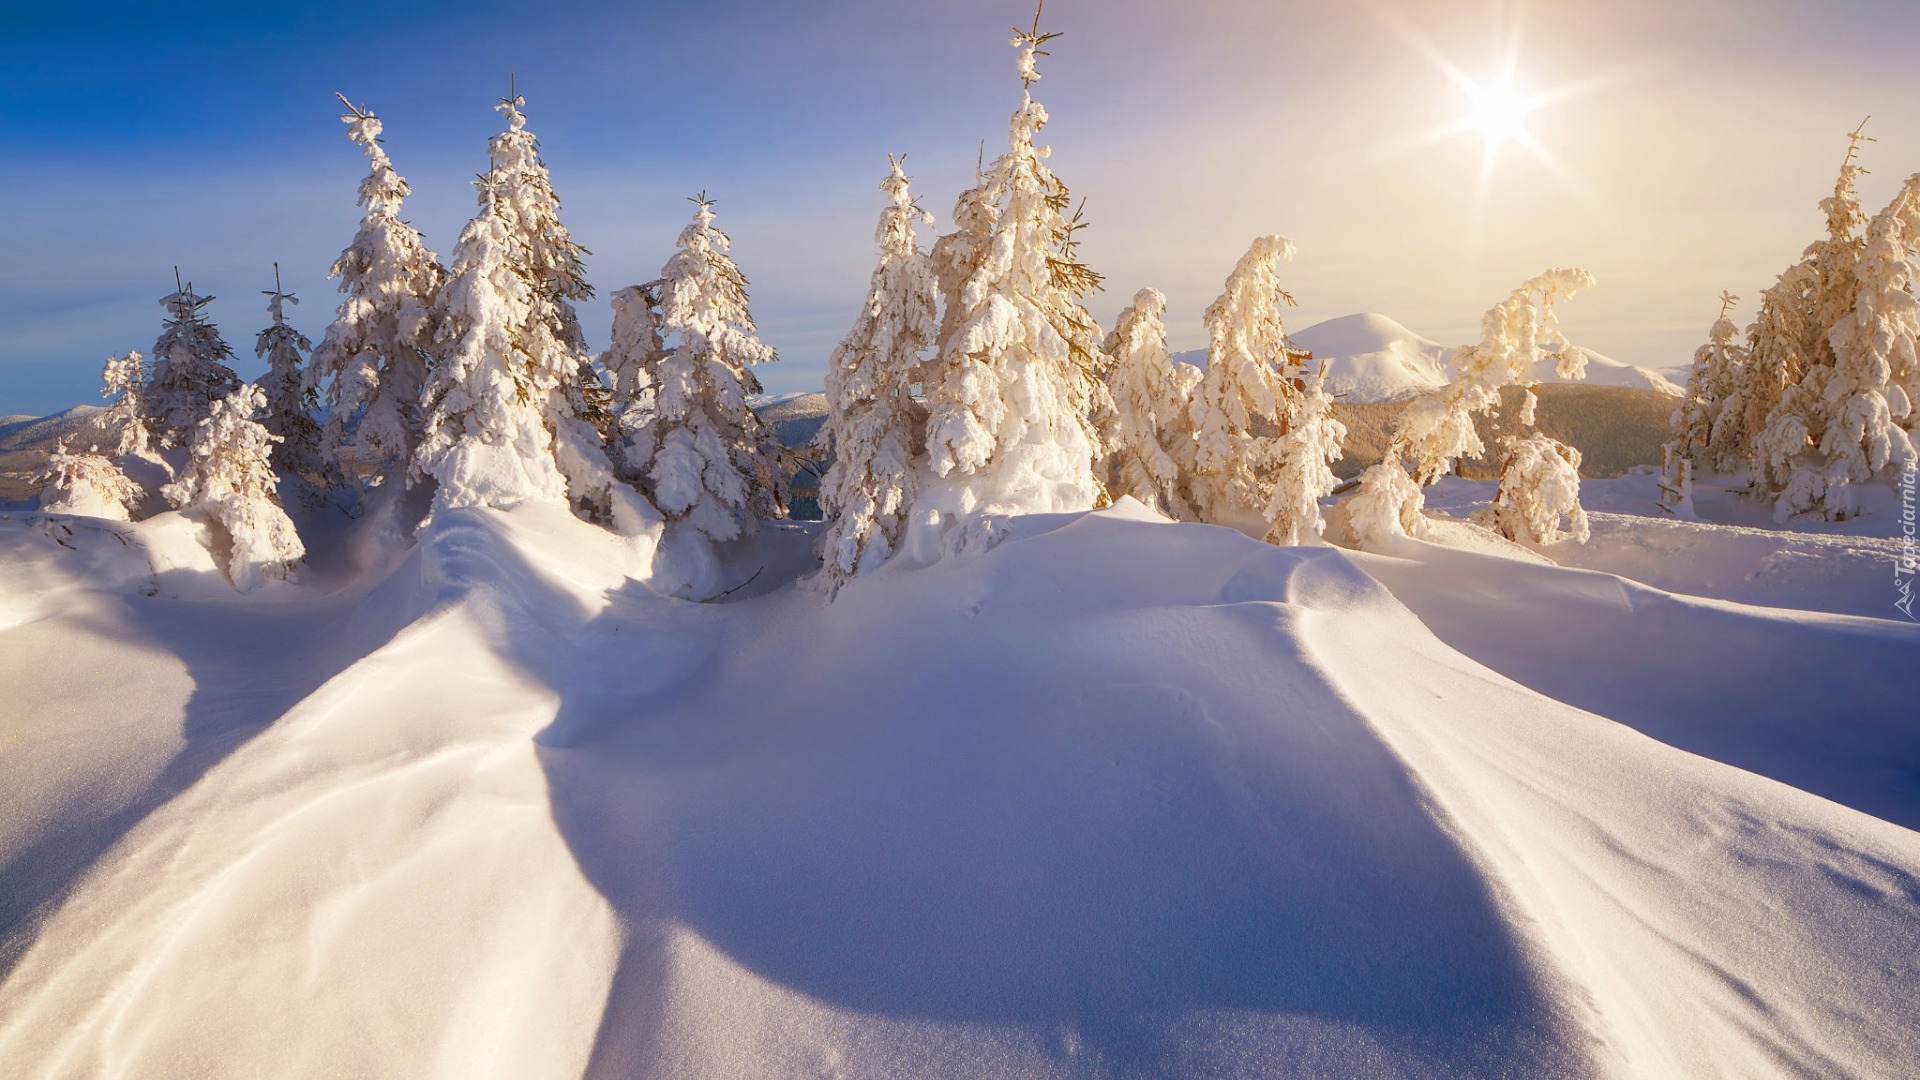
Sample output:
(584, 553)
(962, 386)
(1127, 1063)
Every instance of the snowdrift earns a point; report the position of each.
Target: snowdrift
(1119, 797)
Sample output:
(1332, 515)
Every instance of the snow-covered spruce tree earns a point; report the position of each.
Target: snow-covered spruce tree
(1247, 395)
(376, 353)
(1836, 421)
(702, 455)
(1437, 429)
(189, 371)
(1308, 444)
(229, 483)
(89, 483)
(123, 380)
(1539, 486)
(1014, 395)
(1717, 369)
(510, 409)
(1836, 427)
(1151, 431)
(1791, 342)
(1704, 430)
(873, 426)
(290, 396)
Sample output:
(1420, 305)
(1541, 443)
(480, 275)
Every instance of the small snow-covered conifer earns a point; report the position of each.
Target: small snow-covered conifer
(189, 371)
(1704, 428)
(1437, 429)
(1151, 431)
(122, 382)
(1386, 505)
(376, 353)
(86, 483)
(513, 409)
(702, 454)
(1676, 481)
(290, 396)
(1539, 487)
(1014, 393)
(1248, 392)
(229, 483)
(873, 424)
(1306, 447)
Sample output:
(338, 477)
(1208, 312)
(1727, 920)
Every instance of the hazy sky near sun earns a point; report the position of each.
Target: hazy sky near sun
(206, 134)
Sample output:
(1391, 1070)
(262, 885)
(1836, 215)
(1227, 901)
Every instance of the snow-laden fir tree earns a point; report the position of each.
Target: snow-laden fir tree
(1539, 488)
(1791, 338)
(86, 482)
(1705, 430)
(1308, 444)
(189, 370)
(1703, 414)
(873, 425)
(1151, 437)
(702, 455)
(1836, 426)
(289, 393)
(1438, 427)
(513, 410)
(1248, 393)
(1015, 393)
(123, 380)
(375, 354)
(229, 484)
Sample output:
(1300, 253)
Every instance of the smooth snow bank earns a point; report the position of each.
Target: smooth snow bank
(1118, 797)
(1844, 573)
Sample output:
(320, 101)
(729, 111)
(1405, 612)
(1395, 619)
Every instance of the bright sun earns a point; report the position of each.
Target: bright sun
(1498, 112)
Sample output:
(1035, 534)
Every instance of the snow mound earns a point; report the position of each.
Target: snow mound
(1370, 357)
(1116, 797)
(1606, 371)
(1367, 358)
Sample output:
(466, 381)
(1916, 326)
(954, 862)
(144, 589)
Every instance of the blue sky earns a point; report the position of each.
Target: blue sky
(141, 136)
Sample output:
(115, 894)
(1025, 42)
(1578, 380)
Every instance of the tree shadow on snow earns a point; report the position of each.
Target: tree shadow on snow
(1140, 838)
(250, 663)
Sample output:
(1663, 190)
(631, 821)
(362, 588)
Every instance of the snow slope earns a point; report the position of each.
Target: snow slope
(1117, 798)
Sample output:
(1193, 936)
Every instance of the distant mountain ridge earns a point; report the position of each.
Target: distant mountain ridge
(1370, 357)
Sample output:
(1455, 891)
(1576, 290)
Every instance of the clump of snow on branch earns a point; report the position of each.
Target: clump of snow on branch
(1014, 394)
(873, 425)
(1151, 437)
(229, 484)
(513, 408)
(703, 456)
(1306, 447)
(1438, 427)
(190, 370)
(290, 396)
(1539, 488)
(376, 352)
